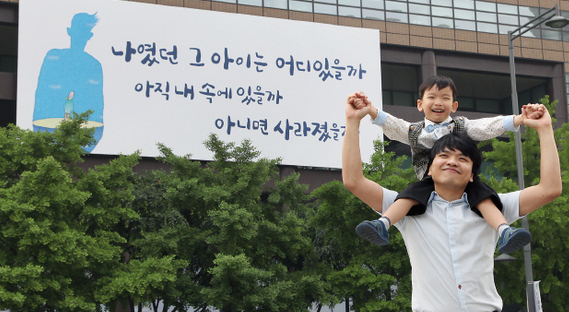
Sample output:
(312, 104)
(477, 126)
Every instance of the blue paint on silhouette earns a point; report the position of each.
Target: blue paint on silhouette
(71, 70)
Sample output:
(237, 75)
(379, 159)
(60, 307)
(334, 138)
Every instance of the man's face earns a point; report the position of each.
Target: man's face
(451, 168)
(437, 104)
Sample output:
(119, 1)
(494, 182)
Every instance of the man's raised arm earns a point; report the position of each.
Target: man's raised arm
(549, 186)
(368, 191)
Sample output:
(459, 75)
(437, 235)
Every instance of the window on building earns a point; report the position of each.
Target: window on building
(400, 84)
(491, 93)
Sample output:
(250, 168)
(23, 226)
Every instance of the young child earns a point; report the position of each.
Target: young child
(437, 100)
(68, 106)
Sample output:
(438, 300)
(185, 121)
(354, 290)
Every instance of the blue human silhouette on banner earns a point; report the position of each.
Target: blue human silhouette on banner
(71, 80)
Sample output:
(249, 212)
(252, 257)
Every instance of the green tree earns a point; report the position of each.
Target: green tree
(548, 225)
(243, 235)
(57, 222)
(373, 278)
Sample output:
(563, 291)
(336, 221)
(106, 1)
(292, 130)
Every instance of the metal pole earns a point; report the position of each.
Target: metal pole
(521, 182)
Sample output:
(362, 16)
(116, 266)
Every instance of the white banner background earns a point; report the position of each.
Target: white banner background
(133, 121)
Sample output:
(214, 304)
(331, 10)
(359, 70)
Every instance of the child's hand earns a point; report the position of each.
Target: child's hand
(530, 112)
(359, 100)
(534, 111)
(357, 105)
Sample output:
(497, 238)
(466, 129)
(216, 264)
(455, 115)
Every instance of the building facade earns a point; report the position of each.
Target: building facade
(464, 39)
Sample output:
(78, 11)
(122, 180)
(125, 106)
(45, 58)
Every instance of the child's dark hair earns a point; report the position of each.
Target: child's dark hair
(462, 143)
(441, 82)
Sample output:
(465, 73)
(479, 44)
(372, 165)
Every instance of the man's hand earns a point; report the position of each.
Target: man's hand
(534, 111)
(536, 116)
(357, 106)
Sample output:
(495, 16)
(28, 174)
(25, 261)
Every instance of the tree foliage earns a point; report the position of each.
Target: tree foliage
(230, 234)
(57, 223)
(373, 278)
(244, 232)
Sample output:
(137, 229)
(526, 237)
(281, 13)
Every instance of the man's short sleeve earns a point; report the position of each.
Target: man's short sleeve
(388, 198)
(511, 203)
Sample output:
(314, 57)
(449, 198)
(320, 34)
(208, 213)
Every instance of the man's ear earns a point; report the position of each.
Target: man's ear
(472, 177)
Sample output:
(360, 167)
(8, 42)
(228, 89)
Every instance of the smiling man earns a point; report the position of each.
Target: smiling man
(451, 249)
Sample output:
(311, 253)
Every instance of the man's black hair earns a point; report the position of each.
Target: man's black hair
(441, 82)
(458, 142)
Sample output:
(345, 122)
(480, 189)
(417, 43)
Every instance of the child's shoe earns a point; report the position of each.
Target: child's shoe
(513, 239)
(374, 232)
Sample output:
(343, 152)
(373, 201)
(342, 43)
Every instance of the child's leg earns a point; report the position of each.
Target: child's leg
(491, 214)
(412, 201)
(376, 231)
(399, 209)
(511, 239)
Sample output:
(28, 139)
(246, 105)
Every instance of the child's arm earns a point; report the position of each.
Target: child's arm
(518, 121)
(491, 127)
(532, 114)
(394, 128)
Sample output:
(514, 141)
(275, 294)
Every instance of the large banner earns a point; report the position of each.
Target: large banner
(159, 74)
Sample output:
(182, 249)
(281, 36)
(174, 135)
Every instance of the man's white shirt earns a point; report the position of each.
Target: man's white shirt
(452, 254)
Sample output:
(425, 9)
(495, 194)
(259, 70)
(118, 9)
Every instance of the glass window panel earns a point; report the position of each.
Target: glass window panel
(551, 34)
(444, 12)
(420, 1)
(486, 17)
(445, 3)
(8, 64)
(464, 4)
(420, 20)
(326, 1)
(355, 3)
(566, 38)
(349, 11)
(534, 33)
(465, 25)
(396, 6)
(538, 93)
(524, 97)
(507, 8)
(443, 22)
(485, 27)
(488, 106)
(325, 9)
(524, 20)
(508, 19)
(527, 11)
(403, 99)
(226, 1)
(373, 14)
(396, 17)
(300, 6)
(543, 10)
(251, 2)
(466, 104)
(485, 6)
(464, 14)
(503, 29)
(387, 99)
(277, 4)
(373, 4)
(420, 9)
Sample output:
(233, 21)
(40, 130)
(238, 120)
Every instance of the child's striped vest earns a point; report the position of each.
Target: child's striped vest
(419, 154)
